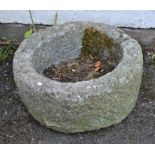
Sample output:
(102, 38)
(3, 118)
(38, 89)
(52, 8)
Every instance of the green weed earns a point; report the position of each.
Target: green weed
(7, 49)
(32, 28)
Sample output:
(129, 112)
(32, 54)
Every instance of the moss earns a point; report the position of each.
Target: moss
(142, 47)
(94, 41)
(153, 58)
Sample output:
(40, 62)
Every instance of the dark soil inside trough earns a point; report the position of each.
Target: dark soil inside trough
(76, 70)
(17, 125)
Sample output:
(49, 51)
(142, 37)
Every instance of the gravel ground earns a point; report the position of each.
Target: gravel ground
(17, 125)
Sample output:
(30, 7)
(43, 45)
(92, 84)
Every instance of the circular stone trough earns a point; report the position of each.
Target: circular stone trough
(84, 105)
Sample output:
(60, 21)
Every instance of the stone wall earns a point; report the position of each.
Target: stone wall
(134, 19)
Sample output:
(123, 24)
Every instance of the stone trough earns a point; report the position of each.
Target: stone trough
(84, 105)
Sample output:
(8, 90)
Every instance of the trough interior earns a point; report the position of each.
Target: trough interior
(64, 47)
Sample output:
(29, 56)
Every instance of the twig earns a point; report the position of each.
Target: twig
(55, 18)
(34, 28)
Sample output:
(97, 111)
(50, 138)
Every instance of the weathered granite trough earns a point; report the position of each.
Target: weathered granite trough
(80, 106)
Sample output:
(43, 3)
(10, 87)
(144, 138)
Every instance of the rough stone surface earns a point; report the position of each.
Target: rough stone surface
(80, 106)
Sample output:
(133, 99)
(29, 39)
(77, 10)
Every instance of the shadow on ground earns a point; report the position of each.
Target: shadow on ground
(17, 126)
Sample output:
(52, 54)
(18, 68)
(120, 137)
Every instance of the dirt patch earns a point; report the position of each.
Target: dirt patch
(76, 70)
(99, 55)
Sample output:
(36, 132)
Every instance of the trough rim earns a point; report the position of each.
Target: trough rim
(28, 70)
